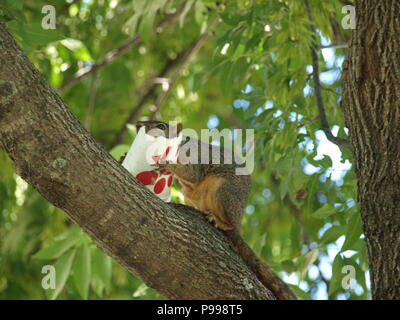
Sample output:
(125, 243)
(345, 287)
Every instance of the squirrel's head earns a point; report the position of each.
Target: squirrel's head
(157, 128)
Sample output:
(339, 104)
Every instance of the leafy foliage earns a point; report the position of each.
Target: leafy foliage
(255, 73)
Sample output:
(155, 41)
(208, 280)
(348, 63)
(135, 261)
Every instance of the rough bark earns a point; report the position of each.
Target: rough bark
(173, 249)
(371, 102)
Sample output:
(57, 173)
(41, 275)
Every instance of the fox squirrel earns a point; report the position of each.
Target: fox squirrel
(215, 189)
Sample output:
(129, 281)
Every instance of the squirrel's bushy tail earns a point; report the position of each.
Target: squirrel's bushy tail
(264, 273)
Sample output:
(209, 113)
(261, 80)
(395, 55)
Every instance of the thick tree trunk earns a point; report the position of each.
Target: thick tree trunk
(371, 92)
(173, 249)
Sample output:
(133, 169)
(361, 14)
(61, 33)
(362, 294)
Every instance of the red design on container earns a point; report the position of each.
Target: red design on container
(159, 186)
(147, 177)
(165, 155)
(169, 183)
(156, 159)
(161, 159)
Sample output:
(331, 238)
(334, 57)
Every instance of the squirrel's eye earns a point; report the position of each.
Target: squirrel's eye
(162, 126)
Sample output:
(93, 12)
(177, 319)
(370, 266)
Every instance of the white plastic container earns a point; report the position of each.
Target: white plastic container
(144, 153)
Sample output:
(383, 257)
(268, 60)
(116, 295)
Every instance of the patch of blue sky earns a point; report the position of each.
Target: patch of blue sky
(307, 91)
(324, 41)
(350, 203)
(322, 230)
(329, 57)
(294, 116)
(247, 89)
(212, 122)
(322, 292)
(327, 148)
(339, 62)
(322, 198)
(313, 272)
(368, 280)
(277, 113)
(292, 278)
(267, 193)
(259, 110)
(330, 76)
(303, 285)
(268, 105)
(241, 104)
(307, 144)
(250, 209)
(303, 130)
(308, 168)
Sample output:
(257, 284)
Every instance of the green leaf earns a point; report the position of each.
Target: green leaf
(226, 78)
(259, 245)
(325, 211)
(130, 26)
(82, 270)
(147, 23)
(239, 70)
(118, 151)
(284, 187)
(332, 234)
(229, 19)
(186, 9)
(140, 291)
(326, 162)
(58, 247)
(200, 12)
(13, 9)
(353, 232)
(289, 266)
(63, 269)
(337, 276)
(34, 33)
(253, 41)
(359, 273)
(300, 293)
(310, 258)
(139, 6)
(296, 239)
(78, 48)
(101, 271)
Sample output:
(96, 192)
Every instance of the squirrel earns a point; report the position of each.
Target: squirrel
(215, 189)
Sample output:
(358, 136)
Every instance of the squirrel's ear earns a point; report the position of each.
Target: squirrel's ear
(179, 128)
(139, 124)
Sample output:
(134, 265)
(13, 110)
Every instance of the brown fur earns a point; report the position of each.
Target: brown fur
(221, 195)
(203, 197)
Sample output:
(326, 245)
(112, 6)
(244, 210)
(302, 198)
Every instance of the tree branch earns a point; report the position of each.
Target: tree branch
(114, 54)
(172, 248)
(293, 209)
(317, 84)
(196, 45)
(335, 46)
(146, 96)
(91, 101)
(182, 59)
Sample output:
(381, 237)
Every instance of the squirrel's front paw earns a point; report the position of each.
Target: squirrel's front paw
(161, 167)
